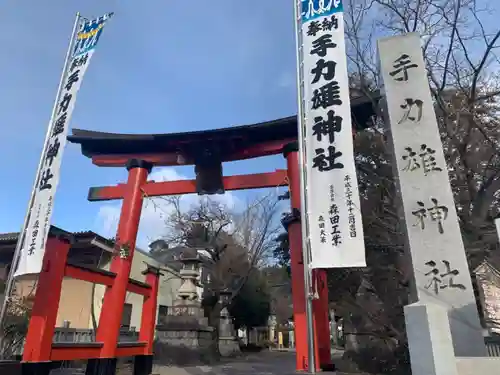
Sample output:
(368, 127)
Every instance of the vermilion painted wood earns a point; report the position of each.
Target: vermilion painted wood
(297, 269)
(170, 159)
(48, 292)
(148, 317)
(79, 351)
(155, 189)
(84, 275)
(75, 352)
(321, 316)
(114, 297)
(97, 278)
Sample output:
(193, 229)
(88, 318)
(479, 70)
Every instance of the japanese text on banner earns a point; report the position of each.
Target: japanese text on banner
(336, 233)
(39, 223)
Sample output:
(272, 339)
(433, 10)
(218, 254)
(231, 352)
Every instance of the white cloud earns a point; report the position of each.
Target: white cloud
(154, 210)
(286, 79)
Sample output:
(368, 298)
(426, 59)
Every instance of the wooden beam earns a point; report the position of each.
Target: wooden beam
(103, 277)
(173, 159)
(75, 351)
(156, 189)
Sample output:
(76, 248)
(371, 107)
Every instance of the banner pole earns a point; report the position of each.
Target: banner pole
(20, 238)
(306, 251)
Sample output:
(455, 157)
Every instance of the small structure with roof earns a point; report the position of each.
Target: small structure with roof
(81, 301)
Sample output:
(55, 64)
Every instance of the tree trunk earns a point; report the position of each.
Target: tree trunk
(370, 346)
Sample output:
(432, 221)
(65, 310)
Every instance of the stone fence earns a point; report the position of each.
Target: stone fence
(74, 335)
(493, 345)
(67, 335)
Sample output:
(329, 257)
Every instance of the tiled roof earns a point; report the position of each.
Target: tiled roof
(91, 235)
(489, 265)
(7, 237)
(169, 257)
(85, 233)
(12, 237)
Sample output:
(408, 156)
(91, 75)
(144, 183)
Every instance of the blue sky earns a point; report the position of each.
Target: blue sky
(160, 66)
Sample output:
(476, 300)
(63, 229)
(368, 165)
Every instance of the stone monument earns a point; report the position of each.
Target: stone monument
(434, 241)
(291, 339)
(228, 342)
(184, 336)
(272, 324)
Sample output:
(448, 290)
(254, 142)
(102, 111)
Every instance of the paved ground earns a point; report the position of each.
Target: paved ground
(264, 363)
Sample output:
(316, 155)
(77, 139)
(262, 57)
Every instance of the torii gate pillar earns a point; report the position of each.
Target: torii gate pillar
(320, 304)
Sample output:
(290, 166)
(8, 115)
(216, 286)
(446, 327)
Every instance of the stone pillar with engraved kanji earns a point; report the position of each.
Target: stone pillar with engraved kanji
(228, 341)
(440, 270)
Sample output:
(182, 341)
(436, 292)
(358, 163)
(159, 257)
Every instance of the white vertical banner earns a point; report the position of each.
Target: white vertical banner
(33, 249)
(333, 207)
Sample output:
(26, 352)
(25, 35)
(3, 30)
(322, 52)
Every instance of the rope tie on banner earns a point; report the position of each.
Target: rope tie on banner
(315, 286)
(286, 182)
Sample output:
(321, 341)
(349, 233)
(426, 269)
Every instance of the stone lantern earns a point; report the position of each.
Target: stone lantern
(187, 309)
(190, 273)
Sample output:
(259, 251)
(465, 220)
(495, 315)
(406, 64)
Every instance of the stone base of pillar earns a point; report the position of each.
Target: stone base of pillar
(185, 344)
(143, 365)
(429, 340)
(229, 346)
(185, 338)
(101, 366)
(10, 367)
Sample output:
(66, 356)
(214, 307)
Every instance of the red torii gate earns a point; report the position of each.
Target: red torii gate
(207, 150)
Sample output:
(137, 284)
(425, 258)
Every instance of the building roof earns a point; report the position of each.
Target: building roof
(488, 264)
(225, 140)
(170, 256)
(8, 238)
(80, 245)
(11, 238)
(89, 235)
